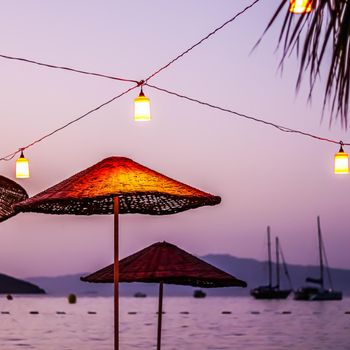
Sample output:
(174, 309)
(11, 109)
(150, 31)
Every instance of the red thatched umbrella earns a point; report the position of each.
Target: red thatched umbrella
(166, 263)
(10, 194)
(117, 185)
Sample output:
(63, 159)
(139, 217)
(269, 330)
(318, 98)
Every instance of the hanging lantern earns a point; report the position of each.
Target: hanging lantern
(341, 161)
(22, 167)
(301, 6)
(142, 108)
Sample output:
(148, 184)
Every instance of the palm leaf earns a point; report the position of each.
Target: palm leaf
(310, 35)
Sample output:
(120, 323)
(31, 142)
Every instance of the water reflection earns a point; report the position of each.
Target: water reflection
(211, 323)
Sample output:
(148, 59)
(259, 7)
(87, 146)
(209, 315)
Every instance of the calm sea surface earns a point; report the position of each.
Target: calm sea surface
(189, 323)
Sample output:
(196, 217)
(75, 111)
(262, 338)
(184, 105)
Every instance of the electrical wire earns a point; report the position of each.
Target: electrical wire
(26, 60)
(279, 127)
(12, 155)
(202, 40)
(66, 68)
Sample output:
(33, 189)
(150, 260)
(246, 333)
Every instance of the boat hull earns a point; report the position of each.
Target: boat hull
(317, 294)
(269, 293)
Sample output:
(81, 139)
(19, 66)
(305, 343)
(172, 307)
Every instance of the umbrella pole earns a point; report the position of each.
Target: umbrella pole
(160, 314)
(116, 273)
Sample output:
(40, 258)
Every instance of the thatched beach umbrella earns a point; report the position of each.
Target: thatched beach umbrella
(117, 185)
(10, 194)
(166, 263)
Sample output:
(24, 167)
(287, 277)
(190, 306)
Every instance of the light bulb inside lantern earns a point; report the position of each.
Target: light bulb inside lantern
(142, 108)
(22, 167)
(341, 162)
(300, 6)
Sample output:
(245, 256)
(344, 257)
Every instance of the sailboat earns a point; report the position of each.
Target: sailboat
(314, 292)
(270, 291)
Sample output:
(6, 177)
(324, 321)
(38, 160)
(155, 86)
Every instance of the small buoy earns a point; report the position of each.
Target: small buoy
(72, 298)
(9, 297)
(5, 312)
(132, 312)
(226, 312)
(60, 313)
(92, 312)
(255, 312)
(286, 312)
(34, 312)
(184, 312)
(347, 312)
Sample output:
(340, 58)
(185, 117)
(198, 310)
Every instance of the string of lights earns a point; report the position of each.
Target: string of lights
(47, 65)
(202, 40)
(142, 106)
(279, 127)
(20, 150)
(143, 101)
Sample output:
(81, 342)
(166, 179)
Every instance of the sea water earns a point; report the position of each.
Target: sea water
(212, 323)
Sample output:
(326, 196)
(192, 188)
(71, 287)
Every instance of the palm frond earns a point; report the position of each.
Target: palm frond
(310, 35)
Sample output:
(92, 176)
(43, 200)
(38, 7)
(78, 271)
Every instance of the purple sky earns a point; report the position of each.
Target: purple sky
(264, 177)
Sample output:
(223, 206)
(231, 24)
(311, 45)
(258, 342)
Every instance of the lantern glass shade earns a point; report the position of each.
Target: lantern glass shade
(142, 108)
(341, 163)
(22, 168)
(300, 6)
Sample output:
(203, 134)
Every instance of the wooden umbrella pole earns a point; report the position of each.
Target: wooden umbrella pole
(160, 314)
(116, 273)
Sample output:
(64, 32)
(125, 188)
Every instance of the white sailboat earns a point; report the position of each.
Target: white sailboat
(318, 291)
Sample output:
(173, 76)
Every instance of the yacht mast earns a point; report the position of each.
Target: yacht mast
(320, 249)
(277, 265)
(269, 255)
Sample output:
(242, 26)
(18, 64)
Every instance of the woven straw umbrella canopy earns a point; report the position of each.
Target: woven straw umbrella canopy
(139, 189)
(10, 194)
(166, 263)
(117, 185)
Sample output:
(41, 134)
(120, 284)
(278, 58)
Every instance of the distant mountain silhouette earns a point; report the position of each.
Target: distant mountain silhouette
(67, 284)
(252, 271)
(11, 285)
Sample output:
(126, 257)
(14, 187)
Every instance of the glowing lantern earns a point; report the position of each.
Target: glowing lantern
(300, 6)
(22, 167)
(142, 108)
(341, 162)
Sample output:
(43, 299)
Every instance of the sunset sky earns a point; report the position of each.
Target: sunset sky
(265, 177)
